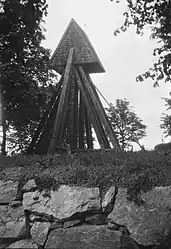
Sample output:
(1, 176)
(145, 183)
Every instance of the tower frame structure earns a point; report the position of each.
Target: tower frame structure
(75, 107)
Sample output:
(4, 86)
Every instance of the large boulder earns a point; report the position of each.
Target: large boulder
(63, 203)
(12, 222)
(68, 201)
(84, 237)
(8, 191)
(147, 222)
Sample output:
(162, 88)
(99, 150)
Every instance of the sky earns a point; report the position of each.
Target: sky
(123, 57)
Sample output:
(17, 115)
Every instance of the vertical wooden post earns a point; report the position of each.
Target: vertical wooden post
(75, 118)
(105, 143)
(70, 115)
(81, 123)
(89, 137)
(61, 111)
(92, 114)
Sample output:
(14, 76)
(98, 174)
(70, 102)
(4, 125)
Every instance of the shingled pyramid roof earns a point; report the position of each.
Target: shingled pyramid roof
(85, 54)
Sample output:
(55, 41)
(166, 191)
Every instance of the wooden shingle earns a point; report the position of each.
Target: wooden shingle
(84, 55)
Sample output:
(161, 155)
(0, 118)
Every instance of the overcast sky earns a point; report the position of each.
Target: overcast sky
(123, 57)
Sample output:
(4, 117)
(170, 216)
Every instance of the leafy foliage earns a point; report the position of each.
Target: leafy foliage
(156, 15)
(24, 63)
(127, 125)
(166, 119)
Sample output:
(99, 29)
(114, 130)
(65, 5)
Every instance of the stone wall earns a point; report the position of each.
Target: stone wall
(77, 217)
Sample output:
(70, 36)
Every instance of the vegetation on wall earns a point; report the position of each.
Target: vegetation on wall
(136, 171)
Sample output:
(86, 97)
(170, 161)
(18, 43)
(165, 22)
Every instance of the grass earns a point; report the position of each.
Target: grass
(137, 171)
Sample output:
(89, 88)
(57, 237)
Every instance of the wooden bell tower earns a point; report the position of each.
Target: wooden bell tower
(75, 106)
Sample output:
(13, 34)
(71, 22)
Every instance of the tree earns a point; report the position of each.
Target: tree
(24, 65)
(166, 119)
(127, 125)
(156, 15)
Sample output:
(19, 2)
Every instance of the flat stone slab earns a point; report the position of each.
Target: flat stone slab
(84, 237)
(63, 203)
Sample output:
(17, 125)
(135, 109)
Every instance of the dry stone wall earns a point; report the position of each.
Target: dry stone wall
(77, 217)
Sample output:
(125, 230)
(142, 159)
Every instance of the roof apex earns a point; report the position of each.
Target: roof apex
(85, 54)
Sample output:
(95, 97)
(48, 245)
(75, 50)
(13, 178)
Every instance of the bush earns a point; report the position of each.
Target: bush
(45, 182)
(139, 183)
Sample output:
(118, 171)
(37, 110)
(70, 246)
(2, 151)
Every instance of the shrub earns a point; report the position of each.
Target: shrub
(138, 183)
(46, 182)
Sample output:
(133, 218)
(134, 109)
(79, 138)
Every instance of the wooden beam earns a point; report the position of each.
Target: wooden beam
(42, 145)
(105, 119)
(61, 111)
(75, 118)
(100, 111)
(70, 115)
(64, 140)
(89, 137)
(43, 121)
(91, 112)
(81, 122)
(94, 106)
